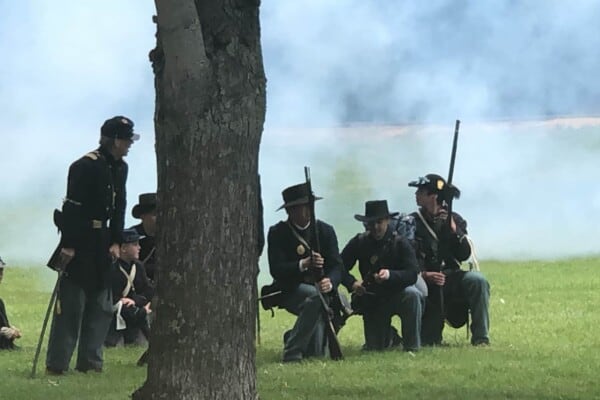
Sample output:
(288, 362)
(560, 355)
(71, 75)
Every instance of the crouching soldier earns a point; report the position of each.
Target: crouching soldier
(441, 246)
(296, 271)
(8, 333)
(132, 292)
(389, 270)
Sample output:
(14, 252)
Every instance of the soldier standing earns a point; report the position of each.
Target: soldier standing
(93, 215)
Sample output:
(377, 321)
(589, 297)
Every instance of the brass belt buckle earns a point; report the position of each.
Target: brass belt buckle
(96, 224)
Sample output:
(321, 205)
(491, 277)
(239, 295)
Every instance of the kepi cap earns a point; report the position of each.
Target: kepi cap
(131, 236)
(119, 127)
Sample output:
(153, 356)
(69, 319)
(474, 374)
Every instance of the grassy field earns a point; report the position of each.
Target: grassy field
(544, 346)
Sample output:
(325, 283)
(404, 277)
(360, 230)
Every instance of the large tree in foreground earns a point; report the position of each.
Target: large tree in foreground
(210, 107)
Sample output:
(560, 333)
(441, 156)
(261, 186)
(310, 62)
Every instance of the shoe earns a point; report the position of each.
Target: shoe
(85, 370)
(481, 343)
(54, 372)
(289, 360)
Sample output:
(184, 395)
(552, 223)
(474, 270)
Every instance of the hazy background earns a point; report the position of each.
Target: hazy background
(340, 73)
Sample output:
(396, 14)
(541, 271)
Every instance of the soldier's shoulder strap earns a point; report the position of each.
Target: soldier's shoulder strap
(93, 155)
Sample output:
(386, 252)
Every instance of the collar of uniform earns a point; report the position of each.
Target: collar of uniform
(300, 228)
(107, 155)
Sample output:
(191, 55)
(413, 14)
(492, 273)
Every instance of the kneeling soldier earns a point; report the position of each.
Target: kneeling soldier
(132, 292)
(389, 270)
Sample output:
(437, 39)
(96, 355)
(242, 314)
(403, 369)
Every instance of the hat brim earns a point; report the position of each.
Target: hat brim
(297, 202)
(138, 210)
(134, 137)
(415, 184)
(363, 218)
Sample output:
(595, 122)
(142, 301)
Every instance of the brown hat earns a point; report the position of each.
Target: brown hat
(296, 195)
(146, 203)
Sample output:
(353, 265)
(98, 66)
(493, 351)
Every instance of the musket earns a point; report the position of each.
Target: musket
(335, 351)
(451, 170)
(449, 201)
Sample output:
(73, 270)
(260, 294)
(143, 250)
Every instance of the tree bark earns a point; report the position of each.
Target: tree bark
(210, 108)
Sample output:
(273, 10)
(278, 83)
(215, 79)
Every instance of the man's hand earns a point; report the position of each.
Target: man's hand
(64, 258)
(358, 288)
(316, 259)
(127, 302)
(325, 285)
(115, 251)
(382, 276)
(69, 252)
(147, 308)
(443, 215)
(437, 278)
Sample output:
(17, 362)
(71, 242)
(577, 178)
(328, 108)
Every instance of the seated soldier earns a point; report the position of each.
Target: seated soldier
(8, 333)
(132, 292)
(389, 271)
(146, 211)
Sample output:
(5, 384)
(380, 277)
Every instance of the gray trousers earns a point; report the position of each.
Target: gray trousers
(475, 291)
(85, 316)
(307, 337)
(408, 304)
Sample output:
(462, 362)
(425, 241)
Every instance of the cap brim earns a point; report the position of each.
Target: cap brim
(414, 184)
(134, 137)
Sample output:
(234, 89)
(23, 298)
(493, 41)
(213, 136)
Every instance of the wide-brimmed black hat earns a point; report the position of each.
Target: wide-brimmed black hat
(131, 236)
(296, 195)
(434, 183)
(146, 203)
(119, 127)
(374, 210)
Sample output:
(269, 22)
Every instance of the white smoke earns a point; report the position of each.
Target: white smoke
(528, 191)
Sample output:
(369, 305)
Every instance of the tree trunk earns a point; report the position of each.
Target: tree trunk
(210, 107)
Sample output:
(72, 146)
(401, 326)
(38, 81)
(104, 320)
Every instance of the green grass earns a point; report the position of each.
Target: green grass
(544, 346)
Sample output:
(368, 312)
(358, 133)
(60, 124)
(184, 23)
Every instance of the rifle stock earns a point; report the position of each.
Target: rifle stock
(335, 350)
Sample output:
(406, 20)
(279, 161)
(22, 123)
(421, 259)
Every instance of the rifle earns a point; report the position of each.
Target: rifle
(449, 199)
(451, 171)
(335, 351)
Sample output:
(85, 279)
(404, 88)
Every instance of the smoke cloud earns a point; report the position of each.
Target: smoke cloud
(366, 93)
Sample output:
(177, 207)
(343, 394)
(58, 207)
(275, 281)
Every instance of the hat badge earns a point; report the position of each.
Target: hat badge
(123, 120)
(440, 184)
